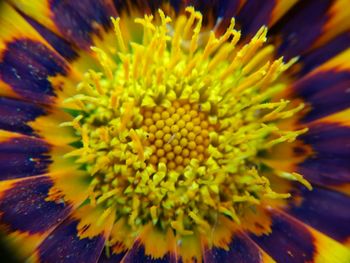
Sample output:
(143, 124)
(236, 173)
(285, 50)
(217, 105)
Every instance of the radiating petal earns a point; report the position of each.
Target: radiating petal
(320, 55)
(137, 254)
(241, 250)
(64, 245)
(327, 88)
(15, 115)
(304, 25)
(255, 14)
(338, 21)
(112, 258)
(326, 92)
(29, 212)
(329, 165)
(323, 209)
(27, 62)
(24, 206)
(41, 210)
(78, 22)
(288, 241)
(26, 66)
(48, 127)
(80, 238)
(61, 45)
(23, 157)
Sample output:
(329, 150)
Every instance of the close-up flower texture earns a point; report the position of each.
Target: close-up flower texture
(175, 131)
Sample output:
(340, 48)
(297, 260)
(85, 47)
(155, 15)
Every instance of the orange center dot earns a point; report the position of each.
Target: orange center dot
(177, 134)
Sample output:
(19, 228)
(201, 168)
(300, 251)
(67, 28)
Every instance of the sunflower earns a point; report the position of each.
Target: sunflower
(175, 131)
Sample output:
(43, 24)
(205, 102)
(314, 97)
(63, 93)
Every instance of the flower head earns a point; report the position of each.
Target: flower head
(159, 131)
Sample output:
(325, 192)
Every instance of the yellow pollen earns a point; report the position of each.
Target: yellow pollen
(171, 128)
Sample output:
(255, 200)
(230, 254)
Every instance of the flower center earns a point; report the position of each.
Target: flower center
(177, 134)
(172, 129)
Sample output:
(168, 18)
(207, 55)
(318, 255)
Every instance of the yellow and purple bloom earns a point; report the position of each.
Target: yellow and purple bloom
(175, 131)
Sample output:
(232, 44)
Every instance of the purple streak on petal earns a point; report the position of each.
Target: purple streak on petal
(62, 46)
(329, 140)
(254, 14)
(302, 25)
(328, 92)
(26, 66)
(241, 250)
(63, 245)
(76, 20)
(325, 210)
(137, 255)
(23, 157)
(330, 164)
(288, 242)
(23, 207)
(113, 258)
(325, 171)
(322, 54)
(15, 114)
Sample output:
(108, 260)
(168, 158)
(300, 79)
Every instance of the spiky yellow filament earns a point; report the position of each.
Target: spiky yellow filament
(170, 134)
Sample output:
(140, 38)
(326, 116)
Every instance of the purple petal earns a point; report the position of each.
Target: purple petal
(325, 210)
(23, 157)
(241, 250)
(328, 139)
(217, 9)
(302, 26)
(330, 165)
(137, 254)
(322, 54)
(228, 9)
(26, 66)
(23, 207)
(254, 14)
(64, 245)
(62, 46)
(325, 171)
(288, 242)
(114, 258)
(77, 20)
(327, 91)
(15, 115)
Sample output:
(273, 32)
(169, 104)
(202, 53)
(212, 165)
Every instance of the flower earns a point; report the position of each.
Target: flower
(144, 131)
